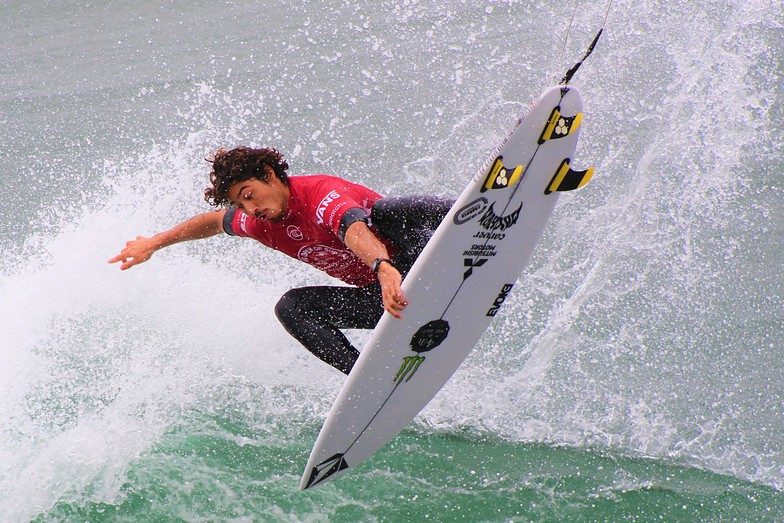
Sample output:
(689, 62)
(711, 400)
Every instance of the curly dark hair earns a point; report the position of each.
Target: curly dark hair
(240, 164)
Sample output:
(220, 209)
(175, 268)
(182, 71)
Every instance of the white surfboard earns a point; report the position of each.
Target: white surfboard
(456, 287)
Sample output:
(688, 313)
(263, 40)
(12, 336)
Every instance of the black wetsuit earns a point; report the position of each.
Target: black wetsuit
(315, 315)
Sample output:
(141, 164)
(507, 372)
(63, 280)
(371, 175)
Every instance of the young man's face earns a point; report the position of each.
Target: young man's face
(262, 200)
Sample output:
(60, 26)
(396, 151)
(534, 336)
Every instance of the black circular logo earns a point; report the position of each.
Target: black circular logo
(429, 336)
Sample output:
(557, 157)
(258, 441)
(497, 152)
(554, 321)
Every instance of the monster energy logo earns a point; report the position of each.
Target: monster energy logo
(492, 222)
(408, 368)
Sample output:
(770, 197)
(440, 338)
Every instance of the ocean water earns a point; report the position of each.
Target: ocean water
(635, 374)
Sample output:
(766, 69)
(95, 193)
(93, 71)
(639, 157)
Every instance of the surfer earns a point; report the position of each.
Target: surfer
(342, 228)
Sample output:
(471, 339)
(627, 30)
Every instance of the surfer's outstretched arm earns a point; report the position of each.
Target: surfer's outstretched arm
(142, 248)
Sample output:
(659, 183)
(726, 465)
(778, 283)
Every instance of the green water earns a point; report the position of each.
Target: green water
(221, 468)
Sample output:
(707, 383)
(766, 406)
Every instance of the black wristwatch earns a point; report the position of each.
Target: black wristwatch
(379, 261)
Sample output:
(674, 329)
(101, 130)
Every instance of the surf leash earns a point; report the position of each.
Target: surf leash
(570, 73)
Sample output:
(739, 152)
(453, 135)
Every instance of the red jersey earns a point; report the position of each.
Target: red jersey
(309, 231)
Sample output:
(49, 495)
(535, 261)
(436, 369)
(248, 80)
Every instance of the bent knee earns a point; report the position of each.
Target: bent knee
(287, 307)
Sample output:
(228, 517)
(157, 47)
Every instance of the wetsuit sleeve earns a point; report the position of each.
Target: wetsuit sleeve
(355, 214)
(228, 222)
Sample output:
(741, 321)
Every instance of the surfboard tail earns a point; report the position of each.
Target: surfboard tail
(567, 179)
(324, 470)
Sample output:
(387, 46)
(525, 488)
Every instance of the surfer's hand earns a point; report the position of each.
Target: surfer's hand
(135, 252)
(390, 280)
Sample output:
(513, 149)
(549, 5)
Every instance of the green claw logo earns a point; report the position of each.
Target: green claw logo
(408, 368)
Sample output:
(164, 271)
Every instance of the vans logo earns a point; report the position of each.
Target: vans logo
(322, 207)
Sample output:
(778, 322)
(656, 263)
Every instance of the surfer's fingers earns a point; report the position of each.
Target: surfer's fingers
(393, 311)
(129, 258)
(130, 261)
(401, 301)
(127, 252)
(392, 302)
(395, 314)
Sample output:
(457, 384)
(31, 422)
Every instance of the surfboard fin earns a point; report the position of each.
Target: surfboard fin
(566, 179)
(325, 469)
(499, 177)
(559, 126)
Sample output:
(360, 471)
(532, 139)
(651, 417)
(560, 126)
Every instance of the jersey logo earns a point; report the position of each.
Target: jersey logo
(244, 222)
(324, 257)
(322, 207)
(295, 233)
